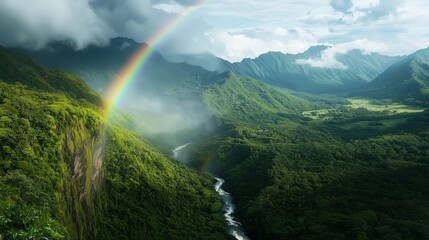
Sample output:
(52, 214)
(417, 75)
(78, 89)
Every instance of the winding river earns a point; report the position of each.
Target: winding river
(234, 227)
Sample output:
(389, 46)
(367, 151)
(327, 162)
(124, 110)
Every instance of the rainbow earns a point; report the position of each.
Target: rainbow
(133, 67)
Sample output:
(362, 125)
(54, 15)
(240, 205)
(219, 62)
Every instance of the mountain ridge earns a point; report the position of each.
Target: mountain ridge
(282, 69)
(407, 80)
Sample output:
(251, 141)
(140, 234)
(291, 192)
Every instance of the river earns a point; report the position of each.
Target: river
(234, 227)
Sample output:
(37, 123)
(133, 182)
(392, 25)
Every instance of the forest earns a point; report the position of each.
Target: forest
(351, 174)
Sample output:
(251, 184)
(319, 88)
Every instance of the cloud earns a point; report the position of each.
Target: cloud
(328, 58)
(117, 14)
(233, 29)
(36, 25)
(365, 10)
(342, 5)
(384, 8)
(93, 22)
(171, 7)
(235, 46)
(180, 2)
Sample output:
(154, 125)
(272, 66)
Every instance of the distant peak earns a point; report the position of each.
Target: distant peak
(422, 52)
(316, 49)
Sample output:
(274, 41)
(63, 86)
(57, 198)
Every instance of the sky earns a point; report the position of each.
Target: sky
(230, 29)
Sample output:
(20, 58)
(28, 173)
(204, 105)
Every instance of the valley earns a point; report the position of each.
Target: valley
(214, 120)
(299, 165)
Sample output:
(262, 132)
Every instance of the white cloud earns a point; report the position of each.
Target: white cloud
(365, 10)
(252, 43)
(328, 58)
(171, 7)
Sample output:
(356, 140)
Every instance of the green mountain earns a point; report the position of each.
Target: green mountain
(407, 80)
(64, 174)
(17, 68)
(239, 99)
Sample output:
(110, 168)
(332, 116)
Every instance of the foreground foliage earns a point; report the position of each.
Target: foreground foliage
(55, 182)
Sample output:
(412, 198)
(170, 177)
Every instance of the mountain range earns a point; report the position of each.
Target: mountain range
(284, 70)
(96, 64)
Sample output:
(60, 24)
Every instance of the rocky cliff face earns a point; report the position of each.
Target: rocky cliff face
(84, 153)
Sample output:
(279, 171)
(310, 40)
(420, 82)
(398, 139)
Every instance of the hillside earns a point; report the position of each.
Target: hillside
(407, 80)
(239, 99)
(64, 174)
(16, 68)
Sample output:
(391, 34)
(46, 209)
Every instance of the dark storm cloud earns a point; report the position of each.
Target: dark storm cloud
(33, 24)
(118, 13)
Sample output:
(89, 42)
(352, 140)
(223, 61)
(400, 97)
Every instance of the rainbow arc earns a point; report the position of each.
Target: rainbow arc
(141, 57)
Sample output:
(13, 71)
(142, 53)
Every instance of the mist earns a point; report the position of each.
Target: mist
(155, 115)
(166, 119)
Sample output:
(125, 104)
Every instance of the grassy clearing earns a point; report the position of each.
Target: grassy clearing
(392, 108)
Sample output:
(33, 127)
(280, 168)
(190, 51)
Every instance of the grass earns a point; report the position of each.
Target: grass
(392, 108)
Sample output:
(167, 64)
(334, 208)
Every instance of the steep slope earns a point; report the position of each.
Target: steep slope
(407, 80)
(282, 70)
(236, 99)
(66, 175)
(52, 147)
